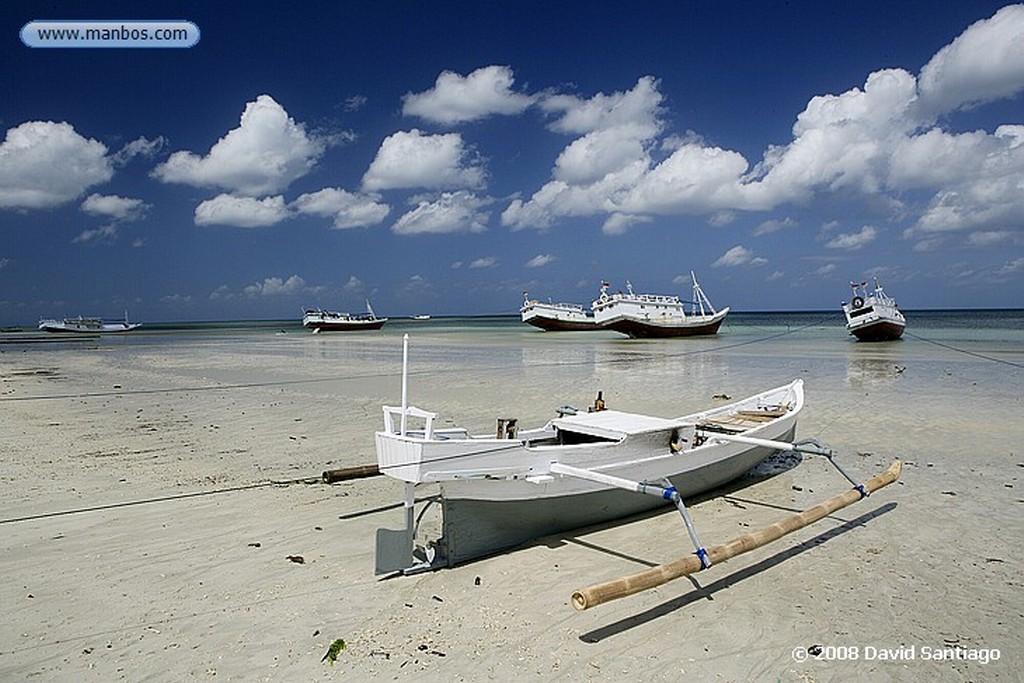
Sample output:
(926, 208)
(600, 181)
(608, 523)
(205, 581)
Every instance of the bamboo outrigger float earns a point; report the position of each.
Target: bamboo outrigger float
(689, 564)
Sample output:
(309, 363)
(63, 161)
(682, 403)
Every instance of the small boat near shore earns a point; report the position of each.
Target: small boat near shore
(82, 325)
(320, 320)
(552, 317)
(502, 489)
(654, 315)
(873, 316)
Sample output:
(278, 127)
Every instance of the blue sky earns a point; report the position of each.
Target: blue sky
(443, 157)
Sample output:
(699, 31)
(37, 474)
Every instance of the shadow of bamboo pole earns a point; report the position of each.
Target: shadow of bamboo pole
(635, 583)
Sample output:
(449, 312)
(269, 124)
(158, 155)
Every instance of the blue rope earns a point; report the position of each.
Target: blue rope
(705, 563)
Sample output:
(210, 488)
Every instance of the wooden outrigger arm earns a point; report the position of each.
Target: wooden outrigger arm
(688, 564)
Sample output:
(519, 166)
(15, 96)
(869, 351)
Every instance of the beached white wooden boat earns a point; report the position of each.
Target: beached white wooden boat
(87, 325)
(656, 315)
(555, 316)
(873, 316)
(581, 468)
(317, 319)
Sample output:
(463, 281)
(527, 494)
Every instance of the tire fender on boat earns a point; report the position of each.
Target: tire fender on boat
(857, 302)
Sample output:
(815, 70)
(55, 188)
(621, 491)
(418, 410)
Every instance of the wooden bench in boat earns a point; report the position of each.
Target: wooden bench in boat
(741, 420)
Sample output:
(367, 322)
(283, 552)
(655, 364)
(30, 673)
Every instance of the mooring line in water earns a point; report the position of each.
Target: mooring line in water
(965, 351)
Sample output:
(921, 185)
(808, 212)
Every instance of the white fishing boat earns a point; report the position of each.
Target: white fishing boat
(656, 315)
(317, 319)
(555, 317)
(873, 316)
(502, 489)
(87, 325)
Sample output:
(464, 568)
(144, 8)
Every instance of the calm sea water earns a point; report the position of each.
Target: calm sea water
(997, 331)
(938, 388)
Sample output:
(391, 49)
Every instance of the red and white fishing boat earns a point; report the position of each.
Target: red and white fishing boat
(873, 316)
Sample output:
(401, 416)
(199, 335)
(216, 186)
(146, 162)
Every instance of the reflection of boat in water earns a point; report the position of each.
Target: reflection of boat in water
(318, 320)
(87, 325)
(655, 315)
(873, 316)
(503, 489)
(551, 316)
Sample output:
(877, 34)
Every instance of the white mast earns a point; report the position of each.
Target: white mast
(405, 381)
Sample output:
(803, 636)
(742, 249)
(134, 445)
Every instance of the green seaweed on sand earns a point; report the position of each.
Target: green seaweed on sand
(332, 652)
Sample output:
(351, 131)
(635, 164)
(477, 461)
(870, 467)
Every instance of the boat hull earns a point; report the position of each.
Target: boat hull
(346, 326)
(499, 491)
(556, 325)
(882, 330)
(639, 328)
(557, 317)
(475, 528)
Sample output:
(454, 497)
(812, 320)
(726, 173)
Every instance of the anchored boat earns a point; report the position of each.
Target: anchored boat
(555, 317)
(87, 325)
(580, 468)
(873, 316)
(656, 315)
(319, 320)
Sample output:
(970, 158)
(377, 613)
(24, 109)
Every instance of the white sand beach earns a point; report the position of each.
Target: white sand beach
(156, 520)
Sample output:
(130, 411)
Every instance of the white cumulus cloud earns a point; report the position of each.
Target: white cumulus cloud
(540, 260)
(242, 212)
(45, 164)
(275, 286)
(348, 209)
(411, 159)
(883, 146)
(452, 212)
(610, 156)
(855, 240)
(139, 147)
(484, 262)
(264, 154)
(984, 63)
(738, 256)
(457, 99)
(115, 207)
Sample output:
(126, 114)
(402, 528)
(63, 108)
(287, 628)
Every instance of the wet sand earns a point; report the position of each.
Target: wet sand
(156, 501)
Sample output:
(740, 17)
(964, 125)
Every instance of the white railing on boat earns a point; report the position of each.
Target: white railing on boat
(391, 412)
